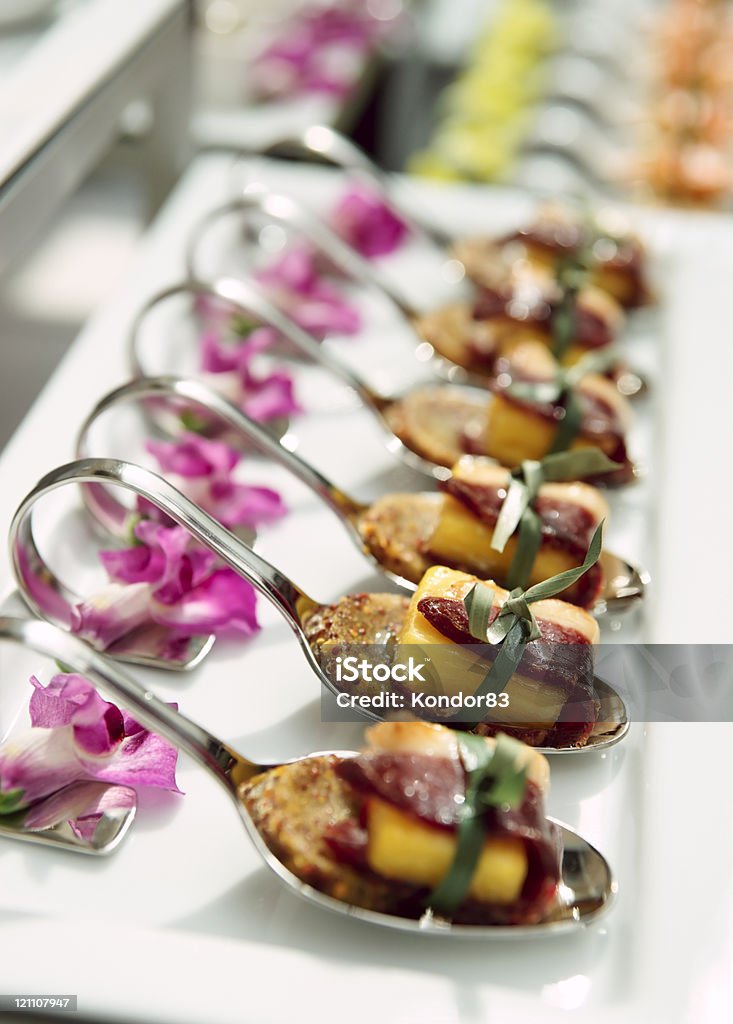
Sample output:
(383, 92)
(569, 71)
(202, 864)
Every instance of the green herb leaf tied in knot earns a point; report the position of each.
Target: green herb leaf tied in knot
(518, 510)
(494, 778)
(562, 390)
(571, 275)
(515, 626)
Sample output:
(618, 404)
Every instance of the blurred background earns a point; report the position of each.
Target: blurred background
(103, 103)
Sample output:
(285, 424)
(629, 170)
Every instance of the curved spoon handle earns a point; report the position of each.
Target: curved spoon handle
(149, 710)
(288, 212)
(113, 514)
(325, 143)
(248, 300)
(45, 594)
(579, 141)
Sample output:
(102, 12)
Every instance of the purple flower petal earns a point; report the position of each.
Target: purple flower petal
(295, 271)
(205, 469)
(36, 764)
(270, 398)
(82, 805)
(184, 562)
(193, 456)
(54, 705)
(190, 595)
(220, 356)
(312, 301)
(367, 223)
(320, 318)
(97, 725)
(241, 505)
(140, 564)
(215, 356)
(84, 738)
(264, 397)
(144, 759)
(311, 54)
(259, 341)
(223, 602)
(168, 578)
(111, 613)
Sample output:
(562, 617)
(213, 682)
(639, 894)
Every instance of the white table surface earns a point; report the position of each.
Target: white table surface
(63, 92)
(44, 87)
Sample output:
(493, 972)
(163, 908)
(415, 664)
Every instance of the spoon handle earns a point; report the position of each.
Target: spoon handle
(291, 214)
(45, 594)
(148, 709)
(248, 299)
(325, 143)
(112, 514)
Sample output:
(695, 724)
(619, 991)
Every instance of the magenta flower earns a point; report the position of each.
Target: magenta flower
(77, 738)
(296, 286)
(263, 396)
(168, 579)
(321, 50)
(224, 356)
(368, 224)
(202, 470)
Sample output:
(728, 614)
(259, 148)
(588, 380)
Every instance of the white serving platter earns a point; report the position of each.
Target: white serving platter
(184, 923)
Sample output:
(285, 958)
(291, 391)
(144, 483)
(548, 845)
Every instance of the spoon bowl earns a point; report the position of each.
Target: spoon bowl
(111, 828)
(587, 888)
(381, 613)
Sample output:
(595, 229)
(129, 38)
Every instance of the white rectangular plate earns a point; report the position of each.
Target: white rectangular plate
(185, 924)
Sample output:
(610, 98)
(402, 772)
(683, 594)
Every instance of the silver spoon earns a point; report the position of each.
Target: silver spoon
(248, 300)
(463, 407)
(36, 579)
(624, 583)
(564, 130)
(581, 80)
(293, 215)
(323, 143)
(286, 211)
(326, 144)
(601, 34)
(149, 645)
(587, 888)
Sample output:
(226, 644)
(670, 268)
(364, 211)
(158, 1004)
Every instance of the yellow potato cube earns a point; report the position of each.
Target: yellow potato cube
(405, 849)
(457, 670)
(462, 539)
(513, 433)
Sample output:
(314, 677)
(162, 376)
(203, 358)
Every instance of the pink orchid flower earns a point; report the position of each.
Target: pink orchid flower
(76, 739)
(264, 397)
(314, 303)
(367, 223)
(321, 51)
(202, 470)
(168, 579)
